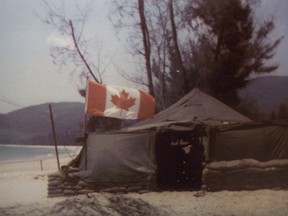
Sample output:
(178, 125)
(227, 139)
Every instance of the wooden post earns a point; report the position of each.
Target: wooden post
(41, 165)
(54, 135)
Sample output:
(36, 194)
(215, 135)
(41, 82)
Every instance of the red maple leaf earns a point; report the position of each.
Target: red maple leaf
(123, 102)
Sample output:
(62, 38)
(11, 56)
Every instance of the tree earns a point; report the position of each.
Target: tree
(159, 25)
(146, 45)
(283, 111)
(249, 108)
(214, 45)
(149, 34)
(229, 46)
(78, 54)
(130, 16)
(273, 116)
(181, 69)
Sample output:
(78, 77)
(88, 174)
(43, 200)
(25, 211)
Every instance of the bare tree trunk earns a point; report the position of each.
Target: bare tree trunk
(162, 76)
(218, 45)
(147, 46)
(175, 42)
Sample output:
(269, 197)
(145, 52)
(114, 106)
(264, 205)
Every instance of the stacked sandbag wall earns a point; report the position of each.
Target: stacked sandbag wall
(60, 184)
(246, 174)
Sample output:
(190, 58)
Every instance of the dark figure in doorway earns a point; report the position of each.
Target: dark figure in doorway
(180, 157)
(189, 164)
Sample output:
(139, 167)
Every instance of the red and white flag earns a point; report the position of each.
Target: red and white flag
(118, 102)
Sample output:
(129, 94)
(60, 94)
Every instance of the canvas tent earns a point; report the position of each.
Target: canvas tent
(188, 146)
(166, 150)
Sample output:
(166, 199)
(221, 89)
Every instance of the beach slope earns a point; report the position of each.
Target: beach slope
(23, 191)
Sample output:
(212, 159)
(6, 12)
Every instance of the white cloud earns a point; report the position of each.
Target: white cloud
(57, 40)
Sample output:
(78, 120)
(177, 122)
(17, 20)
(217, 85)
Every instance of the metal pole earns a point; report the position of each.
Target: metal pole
(54, 135)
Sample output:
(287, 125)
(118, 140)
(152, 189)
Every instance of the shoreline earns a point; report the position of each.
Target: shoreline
(39, 145)
(63, 151)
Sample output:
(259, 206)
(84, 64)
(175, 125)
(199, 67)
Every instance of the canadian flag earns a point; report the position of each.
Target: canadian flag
(118, 102)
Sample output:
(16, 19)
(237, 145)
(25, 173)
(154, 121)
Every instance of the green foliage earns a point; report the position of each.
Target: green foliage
(228, 48)
(273, 116)
(250, 109)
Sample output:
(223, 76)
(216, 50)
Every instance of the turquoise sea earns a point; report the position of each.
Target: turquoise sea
(18, 153)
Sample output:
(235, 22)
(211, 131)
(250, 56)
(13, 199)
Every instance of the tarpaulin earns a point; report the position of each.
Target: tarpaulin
(118, 157)
(259, 141)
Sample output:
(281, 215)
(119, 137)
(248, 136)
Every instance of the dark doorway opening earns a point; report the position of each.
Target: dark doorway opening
(180, 158)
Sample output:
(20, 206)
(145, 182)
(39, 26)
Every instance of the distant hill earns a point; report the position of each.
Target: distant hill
(32, 125)
(268, 92)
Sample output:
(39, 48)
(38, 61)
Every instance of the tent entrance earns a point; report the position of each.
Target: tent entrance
(179, 157)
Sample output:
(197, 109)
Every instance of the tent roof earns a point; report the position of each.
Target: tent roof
(197, 107)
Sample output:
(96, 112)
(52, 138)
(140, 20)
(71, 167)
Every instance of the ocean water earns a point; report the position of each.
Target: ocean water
(19, 153)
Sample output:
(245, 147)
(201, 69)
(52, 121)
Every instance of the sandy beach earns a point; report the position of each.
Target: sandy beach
(23, 191)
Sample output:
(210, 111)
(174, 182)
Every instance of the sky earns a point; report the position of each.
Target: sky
(27, 74)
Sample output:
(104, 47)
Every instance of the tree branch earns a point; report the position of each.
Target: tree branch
(80, 53)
